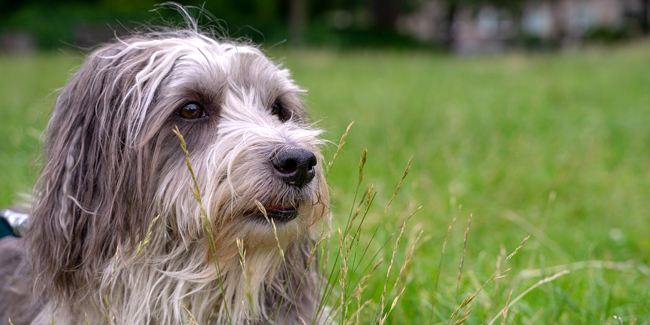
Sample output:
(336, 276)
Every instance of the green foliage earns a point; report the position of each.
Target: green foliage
(552, 146)
(60, 24)
(57, 25)
(604, 34)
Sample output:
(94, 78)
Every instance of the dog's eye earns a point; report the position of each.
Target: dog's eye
(280, 111)
(191, 111)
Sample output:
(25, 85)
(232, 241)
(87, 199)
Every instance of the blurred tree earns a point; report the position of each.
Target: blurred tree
(7, 7)
(645, 17)
(385, 13)
(557, 26)
(448, 29)
(127, 6)
(455, 6)
(297, 18)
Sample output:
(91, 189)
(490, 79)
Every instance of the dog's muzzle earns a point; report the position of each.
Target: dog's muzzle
(296, 167)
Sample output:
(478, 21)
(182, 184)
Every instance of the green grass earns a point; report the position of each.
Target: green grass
(555, 146)
(27, 94)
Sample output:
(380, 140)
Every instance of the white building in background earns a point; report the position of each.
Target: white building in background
(490, 29)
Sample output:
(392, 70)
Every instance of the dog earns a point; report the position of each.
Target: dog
(128, 228)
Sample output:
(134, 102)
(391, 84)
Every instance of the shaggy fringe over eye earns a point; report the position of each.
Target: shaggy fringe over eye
(112, 164)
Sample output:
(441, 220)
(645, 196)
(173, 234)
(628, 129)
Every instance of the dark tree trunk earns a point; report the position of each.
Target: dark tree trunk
(297, 17)
(449, 33)
(384, 13)
(645, 12)
(557, 24)
(518, 21)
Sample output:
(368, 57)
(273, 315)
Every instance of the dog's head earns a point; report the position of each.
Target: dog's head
(113, 162)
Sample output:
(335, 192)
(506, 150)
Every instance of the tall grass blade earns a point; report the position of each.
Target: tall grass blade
(462, 260)
(399, 185)
(444, 245)
(338, 148)
(382, 302)
(196, 192)
(539, 283)
(192, 318)
(275, 230)
(505, 309)
(147, 237)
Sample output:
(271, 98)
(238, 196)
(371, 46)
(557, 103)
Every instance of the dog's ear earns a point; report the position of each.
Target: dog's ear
(87, 185)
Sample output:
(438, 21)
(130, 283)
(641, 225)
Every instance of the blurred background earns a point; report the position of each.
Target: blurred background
(458, 26)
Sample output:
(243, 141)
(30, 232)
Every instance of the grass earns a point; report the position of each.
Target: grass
(554, 146)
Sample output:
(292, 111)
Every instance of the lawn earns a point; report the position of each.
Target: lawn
(554, 146)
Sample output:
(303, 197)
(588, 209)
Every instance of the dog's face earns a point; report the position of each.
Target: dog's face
(113, 161)
(249, 142)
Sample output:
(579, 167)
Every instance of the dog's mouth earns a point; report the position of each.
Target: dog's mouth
(278, 212)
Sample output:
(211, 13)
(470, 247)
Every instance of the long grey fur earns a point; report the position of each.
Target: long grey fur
(112, 164)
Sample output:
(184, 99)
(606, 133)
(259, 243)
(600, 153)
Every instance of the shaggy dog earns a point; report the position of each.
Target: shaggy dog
(233, 241)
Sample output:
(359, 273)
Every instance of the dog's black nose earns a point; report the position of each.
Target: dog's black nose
(295, 167)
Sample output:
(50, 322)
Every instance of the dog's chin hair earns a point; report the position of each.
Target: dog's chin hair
(193, 283)
(112, 164)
